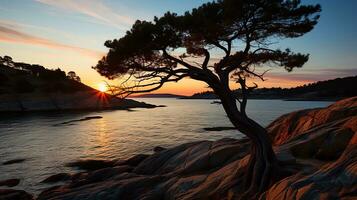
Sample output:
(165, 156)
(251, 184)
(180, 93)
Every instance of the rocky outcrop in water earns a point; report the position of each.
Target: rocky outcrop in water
(316, 148)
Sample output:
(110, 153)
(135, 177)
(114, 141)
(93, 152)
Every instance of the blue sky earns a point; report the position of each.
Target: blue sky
(70, 34)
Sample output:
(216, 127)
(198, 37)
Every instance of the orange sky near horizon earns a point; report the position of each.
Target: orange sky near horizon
(51, 59)
(70, 34)
(188, 87)
(82, 63)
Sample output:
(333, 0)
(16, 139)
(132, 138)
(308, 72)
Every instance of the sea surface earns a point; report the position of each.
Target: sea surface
(47, 141)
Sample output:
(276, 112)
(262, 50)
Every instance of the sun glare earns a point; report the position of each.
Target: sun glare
(102, 87)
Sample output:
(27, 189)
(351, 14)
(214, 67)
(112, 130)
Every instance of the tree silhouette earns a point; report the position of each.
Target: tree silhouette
(73, 76)
(174, 47)
(7, 60)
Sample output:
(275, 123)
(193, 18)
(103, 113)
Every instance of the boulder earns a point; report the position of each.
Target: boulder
(91, 164)
(99, 175)
(302, 122)
(133, 161)
(328, 135)
(314, 135)
(10, 182)
(193, 157)
(336, 180)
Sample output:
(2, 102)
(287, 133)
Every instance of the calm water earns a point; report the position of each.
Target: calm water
(47, 146)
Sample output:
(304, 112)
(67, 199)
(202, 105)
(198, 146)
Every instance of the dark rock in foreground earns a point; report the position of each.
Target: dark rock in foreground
(317, 149)
(79, 120)
(158, 149)
(133, 161)
(336, 180)
(9, 194)
(326, 138)
(91, 164)
(57, 178)
(10, 182)
(219, 128)
(171, 172)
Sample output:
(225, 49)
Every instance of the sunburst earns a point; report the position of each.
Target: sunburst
(102, 87)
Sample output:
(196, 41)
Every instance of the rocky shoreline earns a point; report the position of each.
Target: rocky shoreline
(78, 101)
(317, 149)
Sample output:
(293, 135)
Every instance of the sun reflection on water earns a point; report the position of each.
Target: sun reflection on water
(102, 139)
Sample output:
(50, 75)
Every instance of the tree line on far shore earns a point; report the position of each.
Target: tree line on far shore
(20, 77)
(331, 89)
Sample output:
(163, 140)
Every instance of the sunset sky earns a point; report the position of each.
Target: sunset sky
(69, 34)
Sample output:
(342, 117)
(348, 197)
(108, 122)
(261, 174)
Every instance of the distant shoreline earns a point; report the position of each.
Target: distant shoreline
(253, 98)
(328, 90)
(283, 99)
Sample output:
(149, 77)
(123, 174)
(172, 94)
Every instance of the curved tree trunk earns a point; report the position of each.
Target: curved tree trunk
(262, 158)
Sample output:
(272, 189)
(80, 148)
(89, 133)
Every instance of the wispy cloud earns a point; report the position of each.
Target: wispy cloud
(13, 35)
(93, 8)
(68, 36)
(312, 75)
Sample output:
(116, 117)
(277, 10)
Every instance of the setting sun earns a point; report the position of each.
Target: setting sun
(102, 87)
